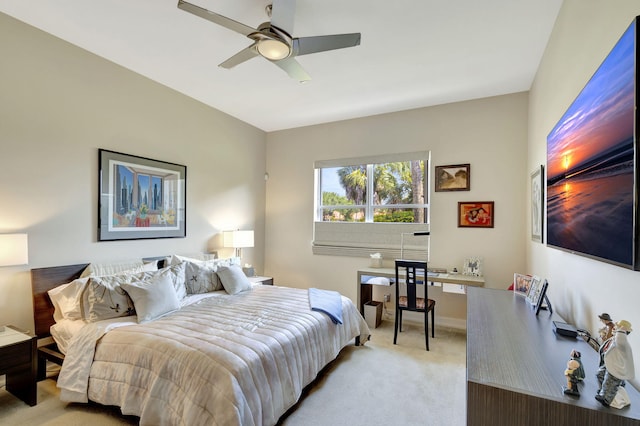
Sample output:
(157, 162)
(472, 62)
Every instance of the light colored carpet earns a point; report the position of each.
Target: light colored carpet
(377, 384)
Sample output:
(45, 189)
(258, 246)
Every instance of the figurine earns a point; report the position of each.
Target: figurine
(616, 365)
(572, 380)
(577, 356)
(574, 373)
(607, 331)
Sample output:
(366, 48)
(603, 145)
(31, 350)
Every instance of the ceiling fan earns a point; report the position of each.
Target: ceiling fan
(273, 40)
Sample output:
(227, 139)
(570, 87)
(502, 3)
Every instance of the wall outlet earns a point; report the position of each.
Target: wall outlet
(387, 297)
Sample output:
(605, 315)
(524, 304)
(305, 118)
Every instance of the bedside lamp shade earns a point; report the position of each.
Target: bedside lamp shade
(14, 249)
(238, 239)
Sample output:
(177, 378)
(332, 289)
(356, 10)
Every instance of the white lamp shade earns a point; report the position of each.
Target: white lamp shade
(14, 249)
(238, 239)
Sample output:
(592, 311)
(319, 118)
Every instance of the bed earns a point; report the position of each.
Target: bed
(227, 359)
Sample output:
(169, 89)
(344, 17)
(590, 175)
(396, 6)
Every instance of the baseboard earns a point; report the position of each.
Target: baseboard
(455, 323)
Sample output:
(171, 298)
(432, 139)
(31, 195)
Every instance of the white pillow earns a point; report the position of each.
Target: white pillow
(201, 277)
(111, 268)
(177, 275)
(153, 298)
(66, 300)
(176, 272)
(104, 298)
(233, 279)
(176, 259)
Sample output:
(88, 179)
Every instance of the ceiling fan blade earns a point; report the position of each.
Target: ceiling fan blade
(293, 68)
(214, 17)
(306, 45)
(240, 57)
(283, 15)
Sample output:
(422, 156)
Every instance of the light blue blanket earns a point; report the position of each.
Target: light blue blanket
(328, 302)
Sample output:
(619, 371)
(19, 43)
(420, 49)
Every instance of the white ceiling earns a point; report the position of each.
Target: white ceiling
(414, 53)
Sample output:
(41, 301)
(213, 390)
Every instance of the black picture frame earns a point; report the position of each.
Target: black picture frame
(542, 295)
(140, 198)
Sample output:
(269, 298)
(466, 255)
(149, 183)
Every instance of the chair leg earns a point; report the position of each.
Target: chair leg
(395, 329)
(426, 328)
(433, 322)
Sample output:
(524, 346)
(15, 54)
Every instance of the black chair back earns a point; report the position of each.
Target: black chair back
(408, 273)
(412, 268)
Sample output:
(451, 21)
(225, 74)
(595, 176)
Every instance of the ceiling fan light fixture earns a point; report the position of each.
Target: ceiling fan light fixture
(273, 50)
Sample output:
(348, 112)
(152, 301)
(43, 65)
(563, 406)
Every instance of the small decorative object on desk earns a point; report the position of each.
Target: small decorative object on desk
(376, 260)
(521, 284)
(607, 330)
(535, 287)
(616, 366)
(472, 266)
(574, 374)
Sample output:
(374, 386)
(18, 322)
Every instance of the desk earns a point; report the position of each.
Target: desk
(515, 368)
(365, 289)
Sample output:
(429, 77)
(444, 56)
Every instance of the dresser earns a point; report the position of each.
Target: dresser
(515, 368)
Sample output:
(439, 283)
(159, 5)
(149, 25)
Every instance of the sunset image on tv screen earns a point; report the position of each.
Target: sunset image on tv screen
(590, 163)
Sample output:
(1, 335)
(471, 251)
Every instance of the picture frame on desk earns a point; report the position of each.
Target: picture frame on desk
(472, 266)
(521, 284)
(537, 293)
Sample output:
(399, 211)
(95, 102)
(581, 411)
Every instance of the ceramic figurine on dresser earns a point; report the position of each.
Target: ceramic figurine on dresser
(574, 374)
(607, 330)
(616, 366)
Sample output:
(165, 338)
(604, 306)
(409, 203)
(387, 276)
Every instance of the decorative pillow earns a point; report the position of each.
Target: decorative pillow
(233, 279)
(176, 259)
(111, 268)
(195, 258)
(153, 298)
(104, 298)
(66, 300)
(201, 277)
(175, 272)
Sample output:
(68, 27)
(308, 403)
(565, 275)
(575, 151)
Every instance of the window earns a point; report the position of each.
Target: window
(381, 192)
(363, 205)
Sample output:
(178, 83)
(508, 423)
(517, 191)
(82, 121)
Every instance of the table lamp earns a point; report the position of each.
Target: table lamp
(14, 249)
(238, 240)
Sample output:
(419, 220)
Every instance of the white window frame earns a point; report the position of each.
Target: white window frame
(362, 239)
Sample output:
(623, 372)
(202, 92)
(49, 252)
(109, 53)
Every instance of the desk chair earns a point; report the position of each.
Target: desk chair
(411, 302)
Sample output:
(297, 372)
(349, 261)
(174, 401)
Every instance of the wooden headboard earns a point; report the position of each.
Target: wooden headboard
(43, 280)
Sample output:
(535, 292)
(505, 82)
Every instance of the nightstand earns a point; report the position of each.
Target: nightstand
(19, 363)
(261, 280)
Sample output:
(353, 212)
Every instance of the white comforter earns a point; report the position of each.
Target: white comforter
(225, 360)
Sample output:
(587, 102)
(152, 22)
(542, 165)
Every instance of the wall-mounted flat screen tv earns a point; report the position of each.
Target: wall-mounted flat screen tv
(591, 170)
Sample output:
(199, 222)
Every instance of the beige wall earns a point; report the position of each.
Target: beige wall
(58, 105)
(580, 288)
(490, 134)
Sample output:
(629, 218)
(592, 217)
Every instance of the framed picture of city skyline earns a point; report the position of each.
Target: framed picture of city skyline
(140, 198)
